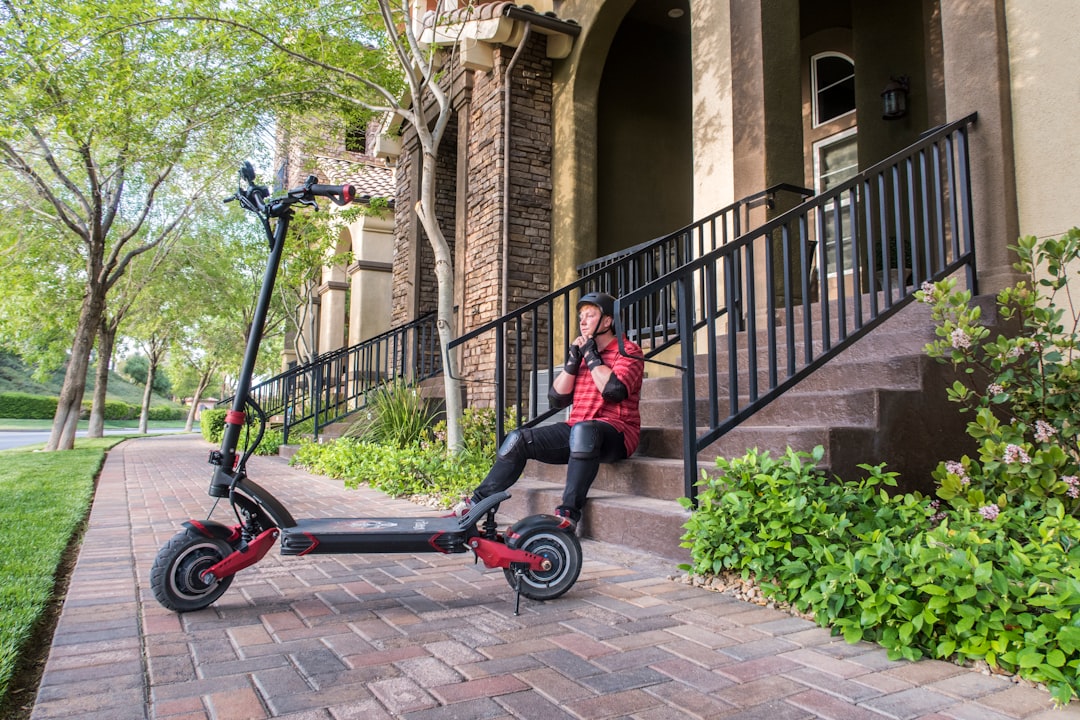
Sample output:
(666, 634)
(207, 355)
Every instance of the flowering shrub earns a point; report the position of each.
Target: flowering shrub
(1024, 389)
(987, 571)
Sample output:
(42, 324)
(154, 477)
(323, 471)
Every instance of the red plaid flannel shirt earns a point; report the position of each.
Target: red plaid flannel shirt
(589, 404)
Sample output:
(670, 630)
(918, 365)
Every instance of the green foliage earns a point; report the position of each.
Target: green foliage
(398, 471)
(136, 368)
(424, 467)
(990, 570)
(43, 496)
(395, 414)
(212, 424)
(1024, 389)
(22, 405)
(165, 412)
(893, 570)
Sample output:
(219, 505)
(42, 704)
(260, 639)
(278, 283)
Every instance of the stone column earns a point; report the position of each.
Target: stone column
(371, 278)
(332, 294)
(714, 156)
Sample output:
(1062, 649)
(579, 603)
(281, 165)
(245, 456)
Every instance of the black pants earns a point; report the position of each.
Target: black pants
(551, 444)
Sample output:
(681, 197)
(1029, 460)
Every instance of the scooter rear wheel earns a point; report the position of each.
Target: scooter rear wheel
(176, 576)
(561, 549)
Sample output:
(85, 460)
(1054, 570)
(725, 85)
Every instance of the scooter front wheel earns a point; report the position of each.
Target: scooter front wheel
(177, 574)
(558, 547)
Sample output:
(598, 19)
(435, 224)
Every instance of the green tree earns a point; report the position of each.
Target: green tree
(110, 129)
(364, 59)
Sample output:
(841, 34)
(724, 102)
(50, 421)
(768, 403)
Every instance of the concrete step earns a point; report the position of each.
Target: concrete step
(640, 476)
(641, 523)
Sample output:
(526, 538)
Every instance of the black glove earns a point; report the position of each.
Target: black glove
(592, 355)
(573, 360)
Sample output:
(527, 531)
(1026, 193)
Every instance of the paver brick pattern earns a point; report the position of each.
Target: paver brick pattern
(429, 636)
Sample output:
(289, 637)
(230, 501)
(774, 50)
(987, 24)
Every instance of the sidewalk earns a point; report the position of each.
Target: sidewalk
(428, 637)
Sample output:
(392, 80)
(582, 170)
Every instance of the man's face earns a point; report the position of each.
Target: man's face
(591, 321)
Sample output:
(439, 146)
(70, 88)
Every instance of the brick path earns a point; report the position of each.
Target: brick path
(432, 636)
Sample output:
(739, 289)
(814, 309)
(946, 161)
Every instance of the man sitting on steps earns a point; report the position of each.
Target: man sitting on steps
(603, 387)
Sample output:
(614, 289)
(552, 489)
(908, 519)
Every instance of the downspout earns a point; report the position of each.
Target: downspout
(506, 170)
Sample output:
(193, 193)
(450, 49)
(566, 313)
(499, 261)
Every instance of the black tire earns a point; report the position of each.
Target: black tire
(562, 549)
(176, 578)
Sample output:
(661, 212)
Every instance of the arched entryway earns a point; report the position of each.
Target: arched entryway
(644, 157)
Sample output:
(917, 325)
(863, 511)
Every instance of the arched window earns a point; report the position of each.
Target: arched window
(832, 83)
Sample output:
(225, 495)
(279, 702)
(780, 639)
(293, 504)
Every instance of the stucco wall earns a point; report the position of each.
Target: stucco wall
(1043, 59)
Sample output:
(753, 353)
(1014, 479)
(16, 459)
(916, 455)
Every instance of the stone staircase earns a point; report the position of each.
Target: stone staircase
(880, 400)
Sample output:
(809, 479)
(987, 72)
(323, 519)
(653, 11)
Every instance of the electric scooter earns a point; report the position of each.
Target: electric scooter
(539, 555)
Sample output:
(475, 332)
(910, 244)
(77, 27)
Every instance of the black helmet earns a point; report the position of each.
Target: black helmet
(602, 300)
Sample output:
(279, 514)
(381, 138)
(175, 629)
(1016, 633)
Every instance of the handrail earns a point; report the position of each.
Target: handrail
(336, 383)
(765, 197)
(523, 341)
(902, 222)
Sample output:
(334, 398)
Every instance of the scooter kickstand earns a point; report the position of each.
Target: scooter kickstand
(519, 571)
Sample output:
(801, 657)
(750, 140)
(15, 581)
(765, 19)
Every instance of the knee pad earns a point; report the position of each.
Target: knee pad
(586, 441)
(513, 445)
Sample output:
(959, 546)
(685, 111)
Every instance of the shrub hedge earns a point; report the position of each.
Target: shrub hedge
(42, 407)
(212, 426)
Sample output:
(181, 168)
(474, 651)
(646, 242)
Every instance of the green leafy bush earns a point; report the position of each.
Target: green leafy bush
(1024, 389)
(394, 414)
(422, 468)
(212, 424)
(165, 412)
(26, 406)
(990, 570)
(401, 472)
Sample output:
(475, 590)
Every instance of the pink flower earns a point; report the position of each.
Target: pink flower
(994, 389)
(990, 512)
(1074, 486)
(955, 468)
(1015, 453)
(928, 293)
(1044, 431)
(960, 339)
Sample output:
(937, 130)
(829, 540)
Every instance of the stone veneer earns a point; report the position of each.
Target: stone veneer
(472, 180)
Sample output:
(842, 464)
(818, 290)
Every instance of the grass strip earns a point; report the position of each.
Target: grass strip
(44, 499)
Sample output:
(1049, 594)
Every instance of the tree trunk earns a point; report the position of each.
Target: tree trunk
(69, 405)
(444, 273)
(106, 344)
(148, 393)
(204, 381)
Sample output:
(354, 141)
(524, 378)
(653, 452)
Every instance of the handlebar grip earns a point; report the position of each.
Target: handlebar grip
(339, 194)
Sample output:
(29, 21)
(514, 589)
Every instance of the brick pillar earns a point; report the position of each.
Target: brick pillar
(527, 247)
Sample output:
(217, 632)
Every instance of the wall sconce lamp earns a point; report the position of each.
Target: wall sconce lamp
(894, 98)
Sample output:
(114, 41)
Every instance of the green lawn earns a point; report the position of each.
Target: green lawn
(44, 499)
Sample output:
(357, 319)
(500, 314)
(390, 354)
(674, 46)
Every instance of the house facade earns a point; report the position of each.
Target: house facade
(585, 127)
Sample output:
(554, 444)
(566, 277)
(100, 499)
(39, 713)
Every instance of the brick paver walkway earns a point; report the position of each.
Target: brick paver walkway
(432, 636)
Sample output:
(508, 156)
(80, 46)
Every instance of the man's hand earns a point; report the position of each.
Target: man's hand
(591, 354)
(573, 359)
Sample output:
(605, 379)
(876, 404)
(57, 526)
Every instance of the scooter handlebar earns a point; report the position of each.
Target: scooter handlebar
(338, 194)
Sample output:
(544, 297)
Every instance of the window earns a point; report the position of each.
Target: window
(832, 80)
(836, 160)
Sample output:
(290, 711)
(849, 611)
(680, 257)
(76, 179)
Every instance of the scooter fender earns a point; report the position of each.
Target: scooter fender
(214, 529)
(535, 522)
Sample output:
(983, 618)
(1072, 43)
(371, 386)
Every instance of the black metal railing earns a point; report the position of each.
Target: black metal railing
(336, 383)
(760, 313)
(524, 341)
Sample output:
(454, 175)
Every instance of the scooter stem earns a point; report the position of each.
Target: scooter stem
(227, 471)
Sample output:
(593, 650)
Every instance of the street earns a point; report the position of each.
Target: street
(21, 438)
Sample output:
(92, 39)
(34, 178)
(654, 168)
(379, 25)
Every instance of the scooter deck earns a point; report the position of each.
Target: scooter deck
(317, 536)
